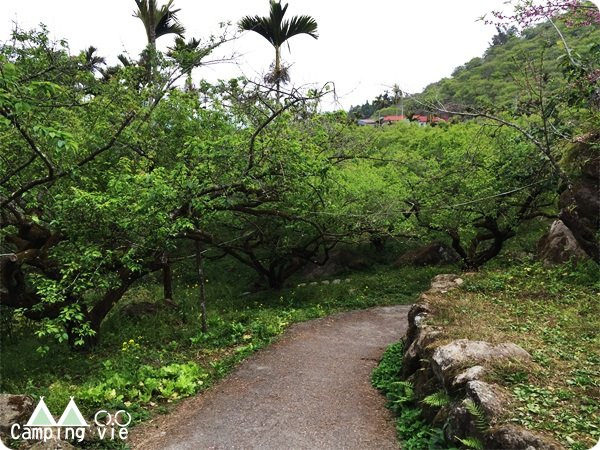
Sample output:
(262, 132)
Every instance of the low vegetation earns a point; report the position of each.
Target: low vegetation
(147, 362)
(414, 433)
(554, 314)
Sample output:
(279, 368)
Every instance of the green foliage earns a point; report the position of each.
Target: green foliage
(471, 442)
(478, 415)
(437, 399)
(490, 81)
(552, 312)
(460, 183)
(413, 432)
(145, 383)
(145, 363)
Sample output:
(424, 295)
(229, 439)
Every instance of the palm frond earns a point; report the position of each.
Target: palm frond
(260, 25)
(165, 18)
(276, 30)
(300, 25)
(167, 21)
(124, 60)
(91, 59)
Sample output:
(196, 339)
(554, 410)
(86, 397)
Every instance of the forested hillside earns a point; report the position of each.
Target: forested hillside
(496, 79)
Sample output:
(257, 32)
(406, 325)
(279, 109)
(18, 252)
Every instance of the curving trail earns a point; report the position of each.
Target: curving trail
(309, 390)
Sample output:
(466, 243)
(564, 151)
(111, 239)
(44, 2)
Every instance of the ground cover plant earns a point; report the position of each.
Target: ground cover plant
(146, 363)
(553, 313)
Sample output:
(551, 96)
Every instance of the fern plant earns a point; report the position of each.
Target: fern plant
(438, 399)
(478, 415)
(471, 442)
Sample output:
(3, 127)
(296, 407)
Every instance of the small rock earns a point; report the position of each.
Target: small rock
(313, 283)
(444, 282)
(302, 285)
(417, 350)
(472, 373)
(347, 280)
(325, 281)
(336, 281)
(52, 444)
(490, 397)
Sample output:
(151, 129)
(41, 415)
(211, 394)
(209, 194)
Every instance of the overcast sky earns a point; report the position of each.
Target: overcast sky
(363, 46)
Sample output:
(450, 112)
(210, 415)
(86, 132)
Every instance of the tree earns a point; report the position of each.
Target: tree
(158, 21)
(83, 212)
(473, 187)
(277, 31)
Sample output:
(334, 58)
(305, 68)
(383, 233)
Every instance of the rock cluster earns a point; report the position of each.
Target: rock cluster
(458, 368)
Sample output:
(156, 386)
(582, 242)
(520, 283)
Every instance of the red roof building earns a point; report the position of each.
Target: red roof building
(393, 118)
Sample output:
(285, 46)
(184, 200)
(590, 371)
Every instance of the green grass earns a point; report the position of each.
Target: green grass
(147, 364)
(554, 314)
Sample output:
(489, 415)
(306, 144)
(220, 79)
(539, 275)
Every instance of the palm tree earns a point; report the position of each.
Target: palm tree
(276, 30)
(158, 21)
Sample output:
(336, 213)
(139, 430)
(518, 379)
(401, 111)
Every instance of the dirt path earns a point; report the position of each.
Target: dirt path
(309, 390)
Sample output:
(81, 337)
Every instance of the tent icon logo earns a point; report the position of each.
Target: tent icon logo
(41, 416)
(72, 417)
(43, 427)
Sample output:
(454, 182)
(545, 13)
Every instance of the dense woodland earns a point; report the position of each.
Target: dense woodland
(138, 179)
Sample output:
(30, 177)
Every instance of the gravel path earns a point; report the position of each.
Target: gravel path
(309, 390)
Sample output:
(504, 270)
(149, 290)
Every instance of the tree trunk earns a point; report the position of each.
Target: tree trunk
(200, 268)
(278, 72)
(167, 279)
(152, 22)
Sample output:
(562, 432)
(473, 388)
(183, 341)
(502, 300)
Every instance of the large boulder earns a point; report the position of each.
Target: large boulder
(447, 360)
(559, 245)
(140, 309)
(470, 374)
(510, 437)
(14, 409)
(428, 255)
(419, 348)
(459, 422)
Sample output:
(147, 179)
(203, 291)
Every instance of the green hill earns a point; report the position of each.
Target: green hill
(493, 80)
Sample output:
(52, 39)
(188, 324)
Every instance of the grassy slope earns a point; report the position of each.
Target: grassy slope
(554, 313)
(146, 364)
